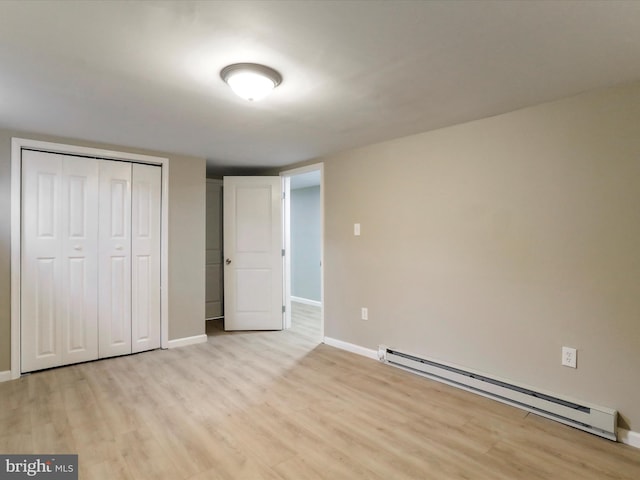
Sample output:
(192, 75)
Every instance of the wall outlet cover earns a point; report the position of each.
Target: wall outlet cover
(569, 357)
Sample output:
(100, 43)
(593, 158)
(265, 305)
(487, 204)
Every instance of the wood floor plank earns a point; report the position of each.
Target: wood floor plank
(282, 405)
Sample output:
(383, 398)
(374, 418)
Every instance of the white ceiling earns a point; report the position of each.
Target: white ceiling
(146, 74)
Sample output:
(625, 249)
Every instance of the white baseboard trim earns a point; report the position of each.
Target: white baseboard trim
(306, 301)
(629, 437)
(5, 376)
(183, 342)
(350, 347)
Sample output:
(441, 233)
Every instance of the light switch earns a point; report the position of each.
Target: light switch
(356, 229)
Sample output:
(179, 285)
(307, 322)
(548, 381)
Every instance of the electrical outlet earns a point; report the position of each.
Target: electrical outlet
(364, 313)
(569, 357)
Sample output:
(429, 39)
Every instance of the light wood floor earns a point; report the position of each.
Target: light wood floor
(280, 405)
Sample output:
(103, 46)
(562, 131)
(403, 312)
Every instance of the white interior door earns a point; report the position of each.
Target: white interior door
(114, 316)
(59, 260)
(79, 285)
(41, 327)
(253, 253)
(145, 254)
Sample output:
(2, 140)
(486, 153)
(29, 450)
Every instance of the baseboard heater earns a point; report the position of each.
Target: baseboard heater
(593, 419)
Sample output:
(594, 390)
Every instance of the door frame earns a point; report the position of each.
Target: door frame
(286, 237)
(17, 145)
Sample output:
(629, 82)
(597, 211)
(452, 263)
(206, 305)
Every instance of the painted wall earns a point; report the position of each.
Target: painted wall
(494, 243)
(305, 243)
(186, 239)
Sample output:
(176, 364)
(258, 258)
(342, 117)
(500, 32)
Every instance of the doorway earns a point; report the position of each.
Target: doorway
(303, 244)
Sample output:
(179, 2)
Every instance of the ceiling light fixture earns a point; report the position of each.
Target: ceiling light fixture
(251, 81)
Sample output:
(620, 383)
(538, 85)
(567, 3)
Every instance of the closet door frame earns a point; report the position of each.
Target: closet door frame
(19, 144)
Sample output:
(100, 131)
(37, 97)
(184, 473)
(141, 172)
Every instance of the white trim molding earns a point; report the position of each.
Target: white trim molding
(306, 301)
(186, 341)
(17, 145)
(629, 437)
(350, 347)
(5, 376)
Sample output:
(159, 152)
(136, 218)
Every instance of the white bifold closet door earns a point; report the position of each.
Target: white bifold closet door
(59, 301)
(145, 255)
(115, 259)
(90, 259)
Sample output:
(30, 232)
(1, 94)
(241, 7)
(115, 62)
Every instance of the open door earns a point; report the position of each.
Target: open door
(253, 253)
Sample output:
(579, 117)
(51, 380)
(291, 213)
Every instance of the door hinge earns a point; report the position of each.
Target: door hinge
(284, 309)
(284, 195)
(283, 252)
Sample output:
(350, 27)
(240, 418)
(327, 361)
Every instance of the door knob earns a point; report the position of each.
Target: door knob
(228, 261)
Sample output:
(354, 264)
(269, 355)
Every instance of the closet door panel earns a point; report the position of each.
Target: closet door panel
(79, 285)
(114, 281)
(145, 245)
(40, 303)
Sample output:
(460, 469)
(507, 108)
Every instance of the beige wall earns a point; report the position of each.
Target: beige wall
(186, 239)
(493, 243)
(187, 218)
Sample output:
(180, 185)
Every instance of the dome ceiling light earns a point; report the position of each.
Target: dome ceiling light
(251, 81)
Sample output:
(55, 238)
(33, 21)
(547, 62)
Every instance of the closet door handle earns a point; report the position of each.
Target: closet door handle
(119, 247)
(77, 247)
